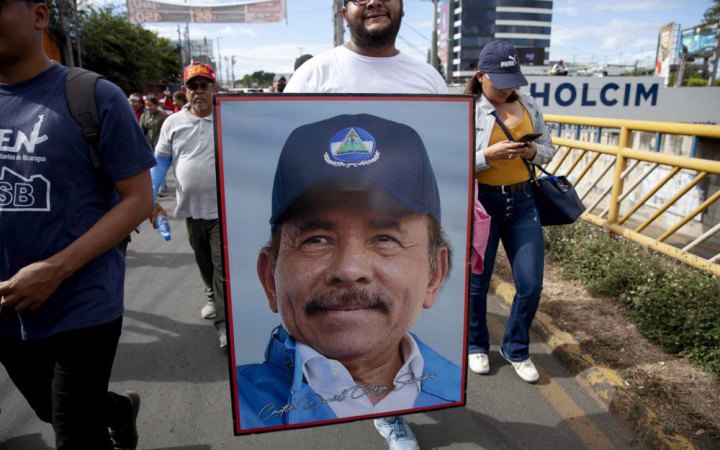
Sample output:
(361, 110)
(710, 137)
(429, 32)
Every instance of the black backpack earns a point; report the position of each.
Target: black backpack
(80, 94)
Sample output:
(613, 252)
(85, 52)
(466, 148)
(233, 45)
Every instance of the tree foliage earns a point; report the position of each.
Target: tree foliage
(125, 53)
(260, 78)
(712, 15)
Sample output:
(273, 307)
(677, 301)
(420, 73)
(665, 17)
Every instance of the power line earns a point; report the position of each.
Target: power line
(422, 52)
(417, 32)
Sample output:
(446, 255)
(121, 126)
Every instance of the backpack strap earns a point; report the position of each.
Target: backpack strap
(80, 94)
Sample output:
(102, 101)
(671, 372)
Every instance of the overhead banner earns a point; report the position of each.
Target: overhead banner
(206, 11)
(341, 218)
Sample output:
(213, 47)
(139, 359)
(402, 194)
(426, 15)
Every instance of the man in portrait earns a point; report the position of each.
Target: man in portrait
(357, 251)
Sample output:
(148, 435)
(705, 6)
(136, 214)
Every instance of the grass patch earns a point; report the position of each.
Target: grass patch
(672, 304)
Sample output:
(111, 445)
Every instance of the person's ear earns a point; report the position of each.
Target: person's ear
(266, 274)
(42, 16)
(437, 277)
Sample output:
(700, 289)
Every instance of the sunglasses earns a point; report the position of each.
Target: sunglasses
(194, 85)
(361, 2)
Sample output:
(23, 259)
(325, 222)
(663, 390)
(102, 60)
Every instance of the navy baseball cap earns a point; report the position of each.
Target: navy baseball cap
(500, 61)
(349, 151)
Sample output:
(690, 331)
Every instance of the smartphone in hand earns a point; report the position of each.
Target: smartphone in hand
(529, 137)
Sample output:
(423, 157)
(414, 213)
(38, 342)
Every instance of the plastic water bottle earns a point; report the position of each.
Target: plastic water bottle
(163, 227)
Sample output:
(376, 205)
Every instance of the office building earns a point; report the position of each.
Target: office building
(465, 26)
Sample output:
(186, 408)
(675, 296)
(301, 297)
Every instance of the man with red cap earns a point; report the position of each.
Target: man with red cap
(186, 142)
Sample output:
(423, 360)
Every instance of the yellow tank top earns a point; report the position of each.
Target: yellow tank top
(507, 171)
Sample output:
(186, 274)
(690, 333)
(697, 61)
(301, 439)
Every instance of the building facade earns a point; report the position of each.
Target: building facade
(467, 25)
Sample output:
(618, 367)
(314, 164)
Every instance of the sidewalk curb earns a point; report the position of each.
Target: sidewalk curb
(606, 383)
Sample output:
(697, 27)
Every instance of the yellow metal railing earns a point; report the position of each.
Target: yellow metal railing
(677, 215)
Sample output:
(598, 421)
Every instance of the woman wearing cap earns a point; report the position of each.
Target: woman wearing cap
(505, 192)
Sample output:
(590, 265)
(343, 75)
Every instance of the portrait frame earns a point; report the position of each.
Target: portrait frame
(251, 130)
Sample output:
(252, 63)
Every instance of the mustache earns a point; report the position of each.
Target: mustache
(346, 300)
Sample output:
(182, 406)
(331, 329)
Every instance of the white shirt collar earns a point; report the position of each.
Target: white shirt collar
(332, 381)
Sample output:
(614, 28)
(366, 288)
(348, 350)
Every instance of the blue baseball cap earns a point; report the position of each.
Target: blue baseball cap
(500, 61)
(349, 152)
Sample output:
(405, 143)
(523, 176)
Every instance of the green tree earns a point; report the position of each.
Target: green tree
(262, 78)
(125, 53)
(712, 15)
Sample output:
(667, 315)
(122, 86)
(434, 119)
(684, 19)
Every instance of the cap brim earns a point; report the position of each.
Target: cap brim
(344, 183)
(200, 76)
(507, 80)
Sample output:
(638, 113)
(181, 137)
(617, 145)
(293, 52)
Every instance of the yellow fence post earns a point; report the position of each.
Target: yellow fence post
(639, 210)
(617, 189)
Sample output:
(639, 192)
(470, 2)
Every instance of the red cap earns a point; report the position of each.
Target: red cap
(197, 69)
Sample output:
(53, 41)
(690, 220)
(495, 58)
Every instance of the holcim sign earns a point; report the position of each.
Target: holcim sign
(637, 98)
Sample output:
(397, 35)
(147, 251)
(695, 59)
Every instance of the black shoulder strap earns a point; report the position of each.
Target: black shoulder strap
(80, 93)
(528, 164)
(502, 126)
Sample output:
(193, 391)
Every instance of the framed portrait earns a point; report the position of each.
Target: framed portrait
(346, 228)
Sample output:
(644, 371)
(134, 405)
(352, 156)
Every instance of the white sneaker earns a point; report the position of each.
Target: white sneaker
(479, 363)
(208, 311)
(525, 369)
(222, 337)
(397, 433)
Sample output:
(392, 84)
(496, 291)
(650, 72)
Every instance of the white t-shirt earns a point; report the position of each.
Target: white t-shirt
(341, 70)
(332, 381)
(189, 140)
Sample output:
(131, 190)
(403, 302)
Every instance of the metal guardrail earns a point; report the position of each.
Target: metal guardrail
(621, 190)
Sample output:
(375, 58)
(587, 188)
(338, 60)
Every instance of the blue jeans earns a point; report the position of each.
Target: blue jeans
(515, 221)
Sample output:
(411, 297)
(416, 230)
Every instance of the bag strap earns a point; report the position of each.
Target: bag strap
(528, 164)
(80, 94)
(502, 126)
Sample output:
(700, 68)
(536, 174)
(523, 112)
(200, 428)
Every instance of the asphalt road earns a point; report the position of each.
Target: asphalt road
(170, 355)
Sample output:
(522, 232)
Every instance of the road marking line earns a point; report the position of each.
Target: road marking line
(567, 409)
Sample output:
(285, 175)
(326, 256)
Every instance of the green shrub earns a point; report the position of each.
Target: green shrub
(696, 82)
(674, 305)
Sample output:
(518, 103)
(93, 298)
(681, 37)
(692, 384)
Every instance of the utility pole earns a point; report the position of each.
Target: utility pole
(189, 44)
(434, 44)
(338, 23)
(716, 56)
(681, 70)
(181, 52)
(219, 64)
(232, 71)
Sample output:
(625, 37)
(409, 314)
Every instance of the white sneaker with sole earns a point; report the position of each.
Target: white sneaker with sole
(397, 433)
(222, 337)
(208, 311)
(479, 363)
(525, 369)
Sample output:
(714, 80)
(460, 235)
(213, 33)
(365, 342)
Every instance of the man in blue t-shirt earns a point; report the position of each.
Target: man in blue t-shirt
(61, 271)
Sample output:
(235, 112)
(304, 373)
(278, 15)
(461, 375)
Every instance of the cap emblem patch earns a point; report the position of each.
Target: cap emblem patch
(352, 147)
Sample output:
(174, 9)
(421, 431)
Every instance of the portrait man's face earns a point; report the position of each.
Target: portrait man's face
(352, 273)
(376, 23)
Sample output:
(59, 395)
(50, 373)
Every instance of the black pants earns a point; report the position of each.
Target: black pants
(64, 378)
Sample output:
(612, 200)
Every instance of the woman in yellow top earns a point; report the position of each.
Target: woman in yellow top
(504, 190)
